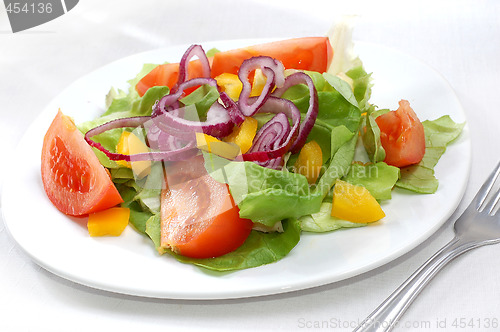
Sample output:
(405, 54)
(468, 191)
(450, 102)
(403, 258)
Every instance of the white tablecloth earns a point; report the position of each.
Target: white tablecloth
(460, 39)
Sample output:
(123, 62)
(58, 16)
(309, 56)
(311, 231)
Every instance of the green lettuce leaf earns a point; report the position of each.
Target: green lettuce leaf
(361, 84)
(336, 111)
(321, 133)
(322, 221)
(142, 196)
(343, 148)
(211, 52)
(370, 134)
(121, 174)
(153, 230)
(127, 106)
(258, 249)
(419, 179)
(325, 135)
(138, 215)
(150, 188)
(378, 178)
(258, 190)
(202, 98)
(340, 136)
(342, 87)
(438, 134)
(441, 132)
(336, 108)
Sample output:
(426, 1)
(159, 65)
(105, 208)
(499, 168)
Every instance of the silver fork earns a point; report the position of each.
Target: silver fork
(476, 227)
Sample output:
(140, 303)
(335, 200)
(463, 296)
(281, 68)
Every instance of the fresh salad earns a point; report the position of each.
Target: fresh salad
(225, 158)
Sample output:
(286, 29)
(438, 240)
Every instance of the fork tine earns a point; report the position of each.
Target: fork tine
(486, 187)
(491, 206)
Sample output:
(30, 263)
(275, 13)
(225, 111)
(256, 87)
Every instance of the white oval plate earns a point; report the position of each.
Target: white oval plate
(129, 264)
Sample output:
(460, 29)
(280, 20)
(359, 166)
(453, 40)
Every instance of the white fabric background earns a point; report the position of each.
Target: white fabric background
(460, 39)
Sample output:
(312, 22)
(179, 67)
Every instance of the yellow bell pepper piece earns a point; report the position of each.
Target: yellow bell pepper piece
(108, 222)
(244, 134)
(259, 81)
(213, 145)
(309, 161)
(131, 144)
(355, 203)
(230, 84)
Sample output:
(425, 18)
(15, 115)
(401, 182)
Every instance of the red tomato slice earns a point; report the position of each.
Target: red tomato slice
(308, 53)
(73, 178)
(402, 136)
(198, 215)
(167, 74)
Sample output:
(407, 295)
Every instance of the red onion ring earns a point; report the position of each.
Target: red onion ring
(234, 112)
(274, 139)
(274, 72)
(177, 154)
(166, 115)
(171, 101)
(276, 163)
(163, 141)
(312, 112)
(193, 50)
(218, 123)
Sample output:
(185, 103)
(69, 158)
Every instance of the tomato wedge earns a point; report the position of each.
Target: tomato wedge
(73, 178)
(402, 136)
(167, 74)
(199, 218)
(308, 53)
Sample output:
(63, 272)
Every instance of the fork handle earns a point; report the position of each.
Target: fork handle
(386, 316)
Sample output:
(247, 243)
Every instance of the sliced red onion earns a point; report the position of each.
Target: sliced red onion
(171, 101)
(193, 50)
(172, 134)
(274, 72)
(268, 142)
(161, 140)
(134, 122)
(275, 138)
(312, 111)
(234, 112)
(218, 123)
(276, 163)
(166, 116)
(179, 133)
